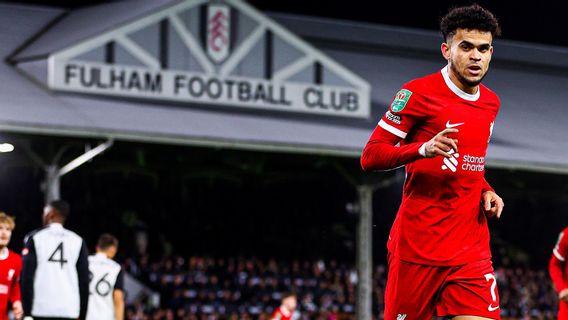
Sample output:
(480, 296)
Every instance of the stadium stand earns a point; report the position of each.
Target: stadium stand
(250, 288)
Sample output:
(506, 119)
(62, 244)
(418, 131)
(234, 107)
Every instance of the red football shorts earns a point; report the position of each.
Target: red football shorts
(417, 292)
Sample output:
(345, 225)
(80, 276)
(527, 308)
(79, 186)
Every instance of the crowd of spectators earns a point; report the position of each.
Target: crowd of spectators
(250, 288)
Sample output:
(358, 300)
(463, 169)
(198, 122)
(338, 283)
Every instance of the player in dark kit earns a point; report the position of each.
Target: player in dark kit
(10, 268)
(558, 269)
(439, 256)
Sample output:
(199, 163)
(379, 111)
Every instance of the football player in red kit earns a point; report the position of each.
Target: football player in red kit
(558, 269)
(10, 268)
(439, 127)
(287, 308)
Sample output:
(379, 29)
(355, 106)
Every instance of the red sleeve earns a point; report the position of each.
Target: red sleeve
(381, 152)
(557, 261)
(276, 315)
(486, 187)
(15, 292)
(405, 112)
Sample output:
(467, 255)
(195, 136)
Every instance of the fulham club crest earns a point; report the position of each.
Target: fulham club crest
(218, 32)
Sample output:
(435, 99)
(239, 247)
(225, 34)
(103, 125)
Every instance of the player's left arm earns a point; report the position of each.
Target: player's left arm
(118, 297)
(492, 204)
(556, 266)
(83, 275)
(15, 292)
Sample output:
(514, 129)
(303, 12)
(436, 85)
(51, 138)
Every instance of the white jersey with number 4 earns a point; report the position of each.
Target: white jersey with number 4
(105, 277)
(54, 270)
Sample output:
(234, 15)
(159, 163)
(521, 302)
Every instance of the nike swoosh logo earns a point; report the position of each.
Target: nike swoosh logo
(453, 125)
(492, 308)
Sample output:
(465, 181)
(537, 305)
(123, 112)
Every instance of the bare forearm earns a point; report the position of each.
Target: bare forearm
(118, 297)
(119, 311)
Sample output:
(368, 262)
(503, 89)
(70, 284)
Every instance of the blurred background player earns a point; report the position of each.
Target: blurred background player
(55, 271)
(559, 273)
(10, 268)
(106, 288)
(287, 307)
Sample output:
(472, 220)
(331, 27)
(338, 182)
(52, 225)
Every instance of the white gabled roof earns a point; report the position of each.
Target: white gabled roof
(80, 24)
(530, 132)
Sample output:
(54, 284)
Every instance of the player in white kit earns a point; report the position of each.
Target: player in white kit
(106, 287)
(55, 271)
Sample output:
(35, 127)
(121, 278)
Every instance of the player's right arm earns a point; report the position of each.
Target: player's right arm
(557, 265)
(29, 265)
(405, 112)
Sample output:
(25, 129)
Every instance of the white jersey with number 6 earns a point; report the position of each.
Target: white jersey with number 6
(105, 277)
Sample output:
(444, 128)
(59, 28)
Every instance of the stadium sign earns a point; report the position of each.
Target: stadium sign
(220, 53)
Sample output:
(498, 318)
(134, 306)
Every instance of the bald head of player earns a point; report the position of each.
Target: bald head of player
(55, 211)
(108, 245)
(468, 44)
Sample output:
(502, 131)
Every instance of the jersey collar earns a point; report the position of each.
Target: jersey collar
(4, 254)
(101, 255)
(459, 92)
(55, 225)
(285, 311)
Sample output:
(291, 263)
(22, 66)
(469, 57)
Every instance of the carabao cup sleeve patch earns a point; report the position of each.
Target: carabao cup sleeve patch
(400, 100)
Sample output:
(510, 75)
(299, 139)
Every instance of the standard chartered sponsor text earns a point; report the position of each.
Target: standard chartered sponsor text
(472, 163)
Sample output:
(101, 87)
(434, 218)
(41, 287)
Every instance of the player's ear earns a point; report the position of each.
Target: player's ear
(445, 48)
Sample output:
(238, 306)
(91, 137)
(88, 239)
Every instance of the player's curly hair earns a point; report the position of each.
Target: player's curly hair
(473, 17)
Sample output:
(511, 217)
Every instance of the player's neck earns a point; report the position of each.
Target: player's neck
(462, 86)
(3, 252)
(285, 310)
(103, 253)
(451, 84)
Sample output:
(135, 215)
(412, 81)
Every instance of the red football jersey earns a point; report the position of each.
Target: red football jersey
(10, 269)
(558, 267)
(282, 314)
(440, 221)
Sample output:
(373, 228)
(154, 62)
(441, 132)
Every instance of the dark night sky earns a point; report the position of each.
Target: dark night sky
(538, 21)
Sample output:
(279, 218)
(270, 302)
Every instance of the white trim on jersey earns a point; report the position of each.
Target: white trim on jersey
(459, 92)
(391, 129)
(558, 255)
(4, 254)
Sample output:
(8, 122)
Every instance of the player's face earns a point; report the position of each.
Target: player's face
(5, 234)
(111, 252)
(468, 53)
(290, 303)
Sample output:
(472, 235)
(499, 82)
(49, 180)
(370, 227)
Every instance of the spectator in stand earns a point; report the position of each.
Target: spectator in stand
(241, 288)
